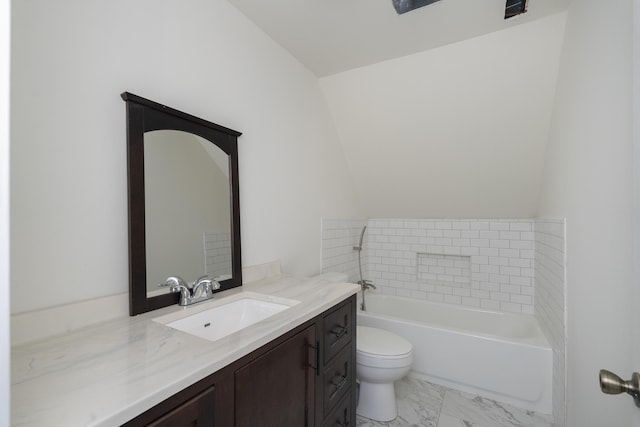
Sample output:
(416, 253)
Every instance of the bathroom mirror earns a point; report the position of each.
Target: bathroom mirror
(184, 214)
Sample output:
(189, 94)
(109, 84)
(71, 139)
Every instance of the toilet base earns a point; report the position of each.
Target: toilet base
(377, 401)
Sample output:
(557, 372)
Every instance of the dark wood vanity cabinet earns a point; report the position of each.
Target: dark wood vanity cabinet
(197, 411)
(282, 378)
(192, 407)
(305, 377)
(336, 400)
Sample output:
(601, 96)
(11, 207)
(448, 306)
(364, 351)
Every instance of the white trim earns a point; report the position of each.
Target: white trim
(5, 57)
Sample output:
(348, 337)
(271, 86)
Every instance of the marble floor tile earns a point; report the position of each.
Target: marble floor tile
(419, 403)
(366, 422)
(485, 412)
(422, 404)
(449, 421)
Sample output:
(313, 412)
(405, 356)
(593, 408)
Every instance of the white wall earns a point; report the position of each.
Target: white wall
(588, 180)
(636, 188)
(454, 132)
(5, 29)
(70, 62)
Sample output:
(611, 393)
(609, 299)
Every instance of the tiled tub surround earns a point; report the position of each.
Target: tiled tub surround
(339, 237)
(475, 263)
(107, 373)
(550, 282)
(516, 265)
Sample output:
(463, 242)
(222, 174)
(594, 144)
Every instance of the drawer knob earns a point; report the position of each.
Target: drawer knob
(339, 331)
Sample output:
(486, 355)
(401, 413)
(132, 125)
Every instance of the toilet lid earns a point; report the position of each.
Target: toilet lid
(381, 342)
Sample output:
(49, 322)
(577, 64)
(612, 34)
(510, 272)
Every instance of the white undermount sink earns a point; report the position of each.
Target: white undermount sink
(219, 318)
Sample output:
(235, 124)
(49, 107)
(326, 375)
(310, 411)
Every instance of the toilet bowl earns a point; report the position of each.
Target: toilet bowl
(381, 359)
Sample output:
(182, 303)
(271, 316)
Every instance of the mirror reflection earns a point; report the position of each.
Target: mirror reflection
(187, 216)
(184, 203)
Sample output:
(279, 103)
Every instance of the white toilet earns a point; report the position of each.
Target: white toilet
(382, 358)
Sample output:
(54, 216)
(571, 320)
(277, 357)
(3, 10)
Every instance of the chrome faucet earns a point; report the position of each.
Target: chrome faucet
(177, 284)
(365, 284)
(201, 289)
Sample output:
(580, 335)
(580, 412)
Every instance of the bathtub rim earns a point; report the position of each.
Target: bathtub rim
(535, 393)
(539, 340)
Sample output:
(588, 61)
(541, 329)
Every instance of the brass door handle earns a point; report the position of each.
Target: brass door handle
(610, 383)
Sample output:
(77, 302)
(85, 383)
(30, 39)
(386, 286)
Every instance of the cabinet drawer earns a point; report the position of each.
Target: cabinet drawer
(198, 411)
(337, 380)
(194, 406)
(343, 415)
(339, 329)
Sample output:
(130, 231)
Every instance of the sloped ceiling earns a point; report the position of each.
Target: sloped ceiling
(331, 36)
(441, 112)
(458, 131)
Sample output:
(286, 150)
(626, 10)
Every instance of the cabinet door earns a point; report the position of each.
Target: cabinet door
(195, 412)
(278, 388)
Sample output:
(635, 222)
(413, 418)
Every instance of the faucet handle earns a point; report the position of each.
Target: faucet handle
(177, 284)
(212, 284)
(176, 281)
(205, 285)
(199, 280)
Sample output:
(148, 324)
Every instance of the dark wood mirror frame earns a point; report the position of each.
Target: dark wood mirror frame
(143, 116)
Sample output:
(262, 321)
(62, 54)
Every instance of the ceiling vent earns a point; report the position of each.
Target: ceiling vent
(514, 7)
(403, 6)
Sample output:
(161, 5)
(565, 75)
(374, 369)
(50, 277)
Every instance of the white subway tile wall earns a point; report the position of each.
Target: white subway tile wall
(217, 251)
(550, 285)
(515, 265)
(339, 237)
(453, 270)
(499, 254)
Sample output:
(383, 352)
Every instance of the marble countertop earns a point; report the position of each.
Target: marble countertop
(108, 373)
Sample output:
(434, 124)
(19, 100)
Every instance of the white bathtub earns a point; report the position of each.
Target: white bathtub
(501, 356)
